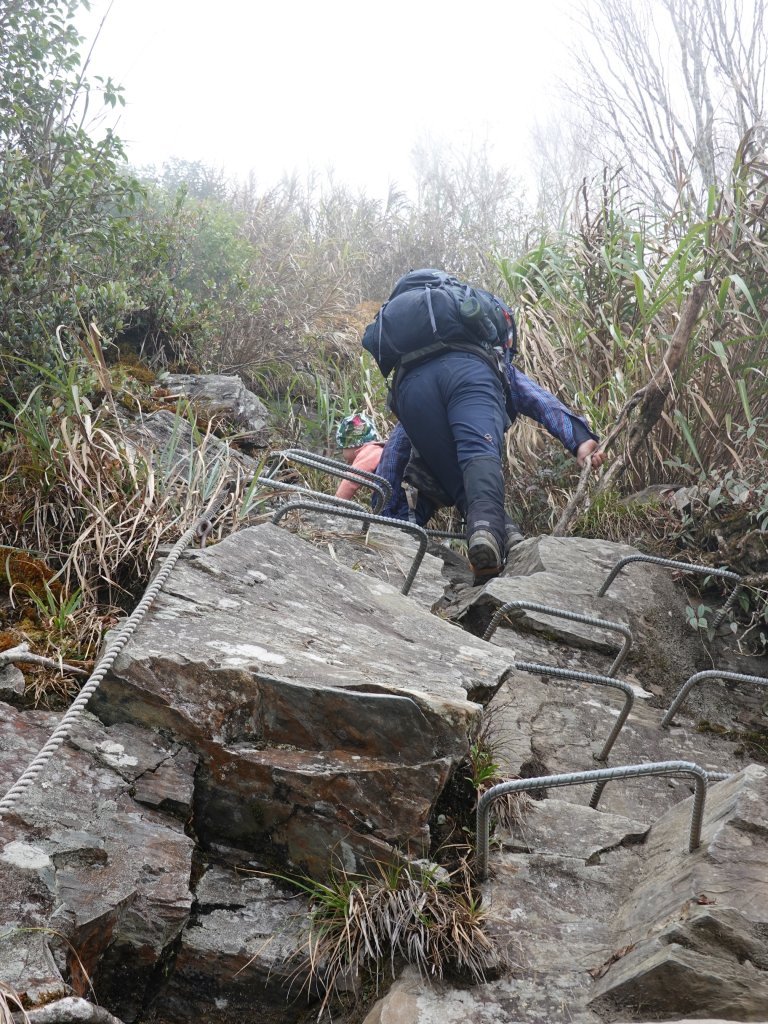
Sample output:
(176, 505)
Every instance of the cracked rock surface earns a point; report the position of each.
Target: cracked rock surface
(283, 707)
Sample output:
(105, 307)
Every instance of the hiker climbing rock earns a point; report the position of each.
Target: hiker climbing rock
(456, 392)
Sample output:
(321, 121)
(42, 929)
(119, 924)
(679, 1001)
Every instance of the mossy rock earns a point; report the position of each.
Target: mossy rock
(20, 569)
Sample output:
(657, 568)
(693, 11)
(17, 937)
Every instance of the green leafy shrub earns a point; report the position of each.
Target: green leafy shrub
(65, 199)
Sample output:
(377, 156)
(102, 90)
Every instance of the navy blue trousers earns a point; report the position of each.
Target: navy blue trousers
(452, 408)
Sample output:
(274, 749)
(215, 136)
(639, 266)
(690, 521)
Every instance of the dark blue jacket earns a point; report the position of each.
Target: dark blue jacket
(527, 399)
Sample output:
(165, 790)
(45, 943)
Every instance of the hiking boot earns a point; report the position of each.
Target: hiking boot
(484, 556)
(512, 537)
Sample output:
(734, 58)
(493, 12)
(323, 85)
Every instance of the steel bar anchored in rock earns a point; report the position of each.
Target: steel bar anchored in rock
(306, 492)
(366, 517)
(375, 482)
(671, 563)
(736, 677)
(561, 613)
(601, 775)
(334, 467)
(588, 677)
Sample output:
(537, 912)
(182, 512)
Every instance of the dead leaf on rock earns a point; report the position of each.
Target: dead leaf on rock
(598, 972)
(703, 900)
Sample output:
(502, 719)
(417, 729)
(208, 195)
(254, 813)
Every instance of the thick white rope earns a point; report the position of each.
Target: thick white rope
(126, 631)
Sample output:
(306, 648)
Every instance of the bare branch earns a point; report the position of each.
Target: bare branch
(672, 85)
(22, 654)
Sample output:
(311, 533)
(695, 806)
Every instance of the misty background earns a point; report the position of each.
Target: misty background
(281, 88)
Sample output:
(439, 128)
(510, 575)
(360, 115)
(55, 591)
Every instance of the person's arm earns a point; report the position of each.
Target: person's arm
(347, 490)
(367, 459)
(531, 399)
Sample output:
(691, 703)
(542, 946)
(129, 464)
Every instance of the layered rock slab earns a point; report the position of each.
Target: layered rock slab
(243, 955)
(606, 920)
(568, 572)
(223, 398)
(328, 710)
(696, 924)
(556, 883)
(94, 884)
(545, 725)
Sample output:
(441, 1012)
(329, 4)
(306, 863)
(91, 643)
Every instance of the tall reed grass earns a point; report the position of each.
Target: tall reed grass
(598, 305)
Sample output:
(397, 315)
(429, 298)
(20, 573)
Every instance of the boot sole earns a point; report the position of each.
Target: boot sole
(484, 555)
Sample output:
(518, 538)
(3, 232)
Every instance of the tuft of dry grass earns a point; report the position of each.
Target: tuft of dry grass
(10, 1004)
(88, 501)
(360, 925)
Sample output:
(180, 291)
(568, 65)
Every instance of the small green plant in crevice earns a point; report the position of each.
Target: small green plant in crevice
(453, 822)
(485, 771)
(698, 618)
(363, 924)
(753, 616)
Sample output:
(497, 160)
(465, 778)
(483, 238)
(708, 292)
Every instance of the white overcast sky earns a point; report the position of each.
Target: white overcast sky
(247, 85)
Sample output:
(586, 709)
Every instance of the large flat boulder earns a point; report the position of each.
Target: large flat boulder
(328, 710)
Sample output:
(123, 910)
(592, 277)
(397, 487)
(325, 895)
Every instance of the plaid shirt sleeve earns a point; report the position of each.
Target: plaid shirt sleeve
(531, 399)
(394, 459)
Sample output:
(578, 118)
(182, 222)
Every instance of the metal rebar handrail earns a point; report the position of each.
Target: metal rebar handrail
(729, 603)
(341, 469)
(687, 686)
(578, 778)
(367, 517)
(688, 567)
(617, 627)
(588, 677)
(361, 476)
(330, 500)
(306, 492)
(448, 534)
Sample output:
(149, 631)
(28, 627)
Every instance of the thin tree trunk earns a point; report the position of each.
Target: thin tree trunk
(650, 401)
(654, 395)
